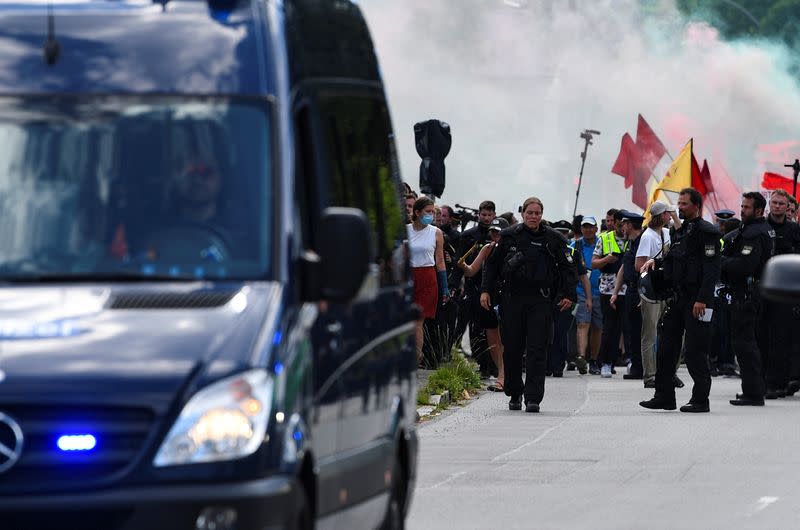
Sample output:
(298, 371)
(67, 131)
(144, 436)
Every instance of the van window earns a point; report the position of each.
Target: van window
(358, 136)
(168, 187)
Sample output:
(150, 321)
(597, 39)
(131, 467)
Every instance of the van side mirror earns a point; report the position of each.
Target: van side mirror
(344, 249)
(781, 279)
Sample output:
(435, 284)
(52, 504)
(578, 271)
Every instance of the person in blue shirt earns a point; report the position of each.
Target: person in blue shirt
(589, 316)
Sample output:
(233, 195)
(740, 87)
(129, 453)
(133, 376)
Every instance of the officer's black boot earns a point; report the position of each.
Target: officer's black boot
(531, 406)
(775, 394)
(695, 407)
(747, 401)
(515, 403)
(659, 403)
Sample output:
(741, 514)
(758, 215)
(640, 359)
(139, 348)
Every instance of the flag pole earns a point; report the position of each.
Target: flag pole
(587, 136)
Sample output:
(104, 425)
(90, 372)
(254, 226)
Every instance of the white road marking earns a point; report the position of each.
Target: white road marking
(762, 504)
(445, 481)
(548, 431)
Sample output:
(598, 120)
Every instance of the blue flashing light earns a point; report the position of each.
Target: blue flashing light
(77, 442)
(276, 339)
(278, 368)
(297, 436)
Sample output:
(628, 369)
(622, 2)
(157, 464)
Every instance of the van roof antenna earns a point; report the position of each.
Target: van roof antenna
(52, 49)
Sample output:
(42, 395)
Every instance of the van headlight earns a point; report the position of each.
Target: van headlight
(224, 421)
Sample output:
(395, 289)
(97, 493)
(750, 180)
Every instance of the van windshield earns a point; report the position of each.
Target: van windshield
(148, 188)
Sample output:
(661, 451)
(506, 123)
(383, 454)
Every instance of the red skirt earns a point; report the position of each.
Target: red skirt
(426, 290)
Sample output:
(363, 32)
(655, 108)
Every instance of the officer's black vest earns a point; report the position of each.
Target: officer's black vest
(755, 234)
(683, 264)
(529, 262)
(784, 240)
(629, 273)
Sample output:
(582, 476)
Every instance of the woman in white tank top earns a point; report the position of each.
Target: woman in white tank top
(425, 246)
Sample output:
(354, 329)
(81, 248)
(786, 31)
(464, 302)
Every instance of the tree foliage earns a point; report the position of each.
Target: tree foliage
(749, 18)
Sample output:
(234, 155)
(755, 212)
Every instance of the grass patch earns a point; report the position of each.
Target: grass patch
(455, 376)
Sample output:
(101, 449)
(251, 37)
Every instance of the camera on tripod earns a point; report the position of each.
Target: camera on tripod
(465, 215)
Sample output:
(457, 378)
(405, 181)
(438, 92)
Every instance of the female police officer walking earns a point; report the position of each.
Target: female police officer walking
(535, 267)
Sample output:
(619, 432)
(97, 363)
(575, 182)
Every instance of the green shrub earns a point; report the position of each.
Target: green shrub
(455, 377)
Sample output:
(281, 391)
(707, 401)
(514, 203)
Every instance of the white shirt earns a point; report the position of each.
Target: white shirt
(422, 246)
(650, 244)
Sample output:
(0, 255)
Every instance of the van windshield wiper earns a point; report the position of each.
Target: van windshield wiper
(110, 276)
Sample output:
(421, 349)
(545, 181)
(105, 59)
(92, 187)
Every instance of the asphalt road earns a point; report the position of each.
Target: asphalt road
(594, 459)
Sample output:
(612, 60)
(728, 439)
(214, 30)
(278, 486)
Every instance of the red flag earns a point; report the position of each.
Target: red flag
(636, 161)
(705, 175)
(650, 147)
(774, 181)
(626, 160)
(697, 178)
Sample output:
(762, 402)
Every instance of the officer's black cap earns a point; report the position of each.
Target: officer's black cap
(724, 214)
(498, 223)
(634, 219)
(562, 225)
(631, 216)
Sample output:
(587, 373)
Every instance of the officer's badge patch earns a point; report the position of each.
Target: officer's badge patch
(746, 250)
(711, 250)
(569, 255)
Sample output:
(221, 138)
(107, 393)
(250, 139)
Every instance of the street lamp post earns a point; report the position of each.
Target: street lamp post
(587, 136)
(796, 168)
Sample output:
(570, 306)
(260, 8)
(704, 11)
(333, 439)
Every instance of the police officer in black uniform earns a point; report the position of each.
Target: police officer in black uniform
(631, 314)
(692, 270)
(471, 241)
(537, 269)
(744, 254)
(564, 321)
(777, 322)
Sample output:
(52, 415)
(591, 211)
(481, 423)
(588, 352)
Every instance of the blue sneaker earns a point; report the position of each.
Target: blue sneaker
(605, 371)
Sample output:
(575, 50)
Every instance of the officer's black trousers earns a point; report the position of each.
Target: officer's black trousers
(563, 326)
(721, 351)
(632, 330)
(777, 322)
(743, 319)
(612, 328)
(794, 350)
(527, 326)
(676, 320)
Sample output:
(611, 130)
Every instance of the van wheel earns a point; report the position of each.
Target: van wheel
(395, 518)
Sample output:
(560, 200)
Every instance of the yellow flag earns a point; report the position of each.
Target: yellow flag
(679, 176)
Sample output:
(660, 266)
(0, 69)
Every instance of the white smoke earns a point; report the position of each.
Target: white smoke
(518, 80)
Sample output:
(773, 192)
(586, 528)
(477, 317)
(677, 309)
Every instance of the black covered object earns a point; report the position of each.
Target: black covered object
(433, 142)
(653, 286)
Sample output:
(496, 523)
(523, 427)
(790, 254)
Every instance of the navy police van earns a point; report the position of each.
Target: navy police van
(205, 319)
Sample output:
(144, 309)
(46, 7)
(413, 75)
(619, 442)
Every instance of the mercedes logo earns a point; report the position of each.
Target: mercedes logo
(11, 440)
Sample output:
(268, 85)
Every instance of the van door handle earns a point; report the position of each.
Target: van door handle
(334, 328)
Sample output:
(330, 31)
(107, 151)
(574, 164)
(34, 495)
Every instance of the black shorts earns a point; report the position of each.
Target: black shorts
(487, 319)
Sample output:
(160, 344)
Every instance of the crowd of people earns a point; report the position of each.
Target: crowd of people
(643, 293)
